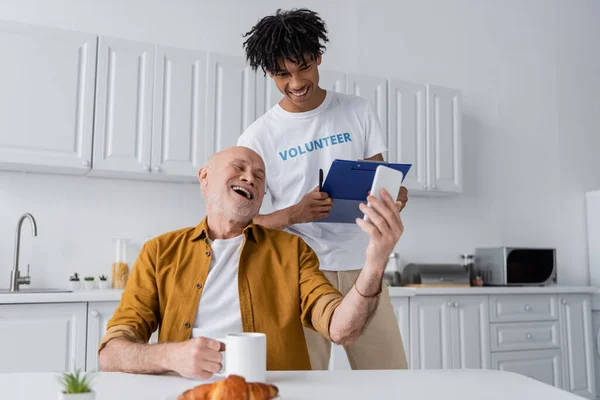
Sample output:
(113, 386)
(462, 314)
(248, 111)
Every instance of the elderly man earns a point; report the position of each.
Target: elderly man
(228, 274)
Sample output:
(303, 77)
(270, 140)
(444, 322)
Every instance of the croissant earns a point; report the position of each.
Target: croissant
(232, 388)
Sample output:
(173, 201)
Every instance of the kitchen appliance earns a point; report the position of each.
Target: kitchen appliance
(435, 275)
(516, 266)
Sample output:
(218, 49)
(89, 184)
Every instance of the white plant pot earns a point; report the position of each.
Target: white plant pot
(75, 285)
(77, 396)
(103, 285)
(89, 285)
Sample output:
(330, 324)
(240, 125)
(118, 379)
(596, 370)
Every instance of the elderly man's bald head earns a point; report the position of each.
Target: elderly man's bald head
(233, 183)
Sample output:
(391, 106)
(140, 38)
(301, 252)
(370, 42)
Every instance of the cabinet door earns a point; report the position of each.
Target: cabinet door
(179, 127)
(402, 312)
(332, 80)
(231, 101)
(577, 344)
(42, 337)
(407, 131)
(267, 94)
(471, 330)
(542, 365)
(122, 132)
(46, 99)
(375, 91)
(430, 336)
(444, 139)
(99, 313)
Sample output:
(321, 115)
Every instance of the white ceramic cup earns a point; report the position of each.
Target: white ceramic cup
(245, 355)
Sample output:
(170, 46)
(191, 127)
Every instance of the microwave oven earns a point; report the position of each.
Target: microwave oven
(516, 266)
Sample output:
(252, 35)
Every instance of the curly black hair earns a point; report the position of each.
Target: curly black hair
(291, 35)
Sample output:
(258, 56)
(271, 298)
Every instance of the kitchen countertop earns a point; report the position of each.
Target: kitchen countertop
(487, 290)
(82, 296)
(78, 296)
(459, 384)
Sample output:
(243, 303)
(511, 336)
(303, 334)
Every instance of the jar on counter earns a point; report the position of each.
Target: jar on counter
(391, 275)
(120, 268)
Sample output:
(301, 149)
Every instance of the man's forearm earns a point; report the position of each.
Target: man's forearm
(356, 309)
(280, 219)
(122, 355)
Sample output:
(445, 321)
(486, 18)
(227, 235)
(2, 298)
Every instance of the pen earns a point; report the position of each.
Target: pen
(320, 179)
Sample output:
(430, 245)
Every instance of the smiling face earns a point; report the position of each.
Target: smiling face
(299, 84)
(233, 184)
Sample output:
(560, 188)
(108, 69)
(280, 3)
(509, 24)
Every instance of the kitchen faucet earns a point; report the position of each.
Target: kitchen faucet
(15, 276)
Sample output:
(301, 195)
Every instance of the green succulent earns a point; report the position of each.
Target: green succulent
(103, 277)
(76, 382)
(88, 278)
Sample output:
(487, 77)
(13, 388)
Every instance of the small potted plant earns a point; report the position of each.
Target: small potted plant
(103, 282)
(74, 282)
(76, 386)
(88, 282)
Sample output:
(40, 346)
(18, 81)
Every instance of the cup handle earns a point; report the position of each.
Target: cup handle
(223, 372)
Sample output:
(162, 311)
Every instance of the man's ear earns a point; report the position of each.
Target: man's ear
(203, 176)
(318, 59)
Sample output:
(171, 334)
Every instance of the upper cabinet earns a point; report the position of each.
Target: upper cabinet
(123, 125)
(46, 99)
(407, 131)
(179, 123)
(159, 113)
(444, 139)
(373, 89)
(231, 101)
(424, 130)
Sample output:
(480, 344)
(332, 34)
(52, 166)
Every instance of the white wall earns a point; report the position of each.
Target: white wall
(529, 75)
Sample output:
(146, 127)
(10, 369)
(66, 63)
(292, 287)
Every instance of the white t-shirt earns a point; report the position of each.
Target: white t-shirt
(295, 145)
(219, 309)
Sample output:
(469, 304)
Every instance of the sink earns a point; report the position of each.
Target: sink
(34, 290)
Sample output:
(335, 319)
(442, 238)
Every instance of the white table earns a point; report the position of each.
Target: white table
(363, 385)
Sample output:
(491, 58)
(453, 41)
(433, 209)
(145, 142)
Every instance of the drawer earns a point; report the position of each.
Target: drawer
(511, 308)
(542, 365)
(524, 336)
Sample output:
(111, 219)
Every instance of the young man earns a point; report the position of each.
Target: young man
(306, 131)
(187, 282)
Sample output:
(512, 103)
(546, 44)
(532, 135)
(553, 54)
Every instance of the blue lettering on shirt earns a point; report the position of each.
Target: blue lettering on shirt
(315, 145)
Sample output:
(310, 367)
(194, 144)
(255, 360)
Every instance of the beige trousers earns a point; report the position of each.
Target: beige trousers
(379, 347)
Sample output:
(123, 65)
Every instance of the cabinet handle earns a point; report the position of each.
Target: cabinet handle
(528, 336)
(527, 307)
(156, 169)
(449, 304)
(564, 301)
(432, 187)
(455, 304)
(95, 314)
(146, 168)
(85, 163)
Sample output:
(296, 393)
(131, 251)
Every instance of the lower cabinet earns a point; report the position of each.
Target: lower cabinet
(542, 365)
(42, 337)
(449, 332)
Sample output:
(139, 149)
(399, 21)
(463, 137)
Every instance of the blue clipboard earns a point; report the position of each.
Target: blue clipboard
(348, 183)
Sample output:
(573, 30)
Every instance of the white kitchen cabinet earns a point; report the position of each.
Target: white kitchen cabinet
(577, 344)
(123, 122)
(407, 131)
(98, 315)
(179, 113)
(46, 99)
(332, 80)
(42, 337)
(449, 332)
(430, 336)
(374, 89)
(231, 101)
(444, 139)
(542, 365)
(402, 312)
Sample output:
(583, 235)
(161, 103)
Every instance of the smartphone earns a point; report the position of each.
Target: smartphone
(385, 178)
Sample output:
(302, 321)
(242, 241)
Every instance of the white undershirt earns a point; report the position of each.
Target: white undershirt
(219, 308)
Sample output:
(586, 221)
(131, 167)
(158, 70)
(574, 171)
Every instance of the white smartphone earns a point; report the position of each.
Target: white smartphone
(385, 178)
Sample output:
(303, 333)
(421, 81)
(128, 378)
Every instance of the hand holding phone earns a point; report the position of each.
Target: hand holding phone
(385, 178)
